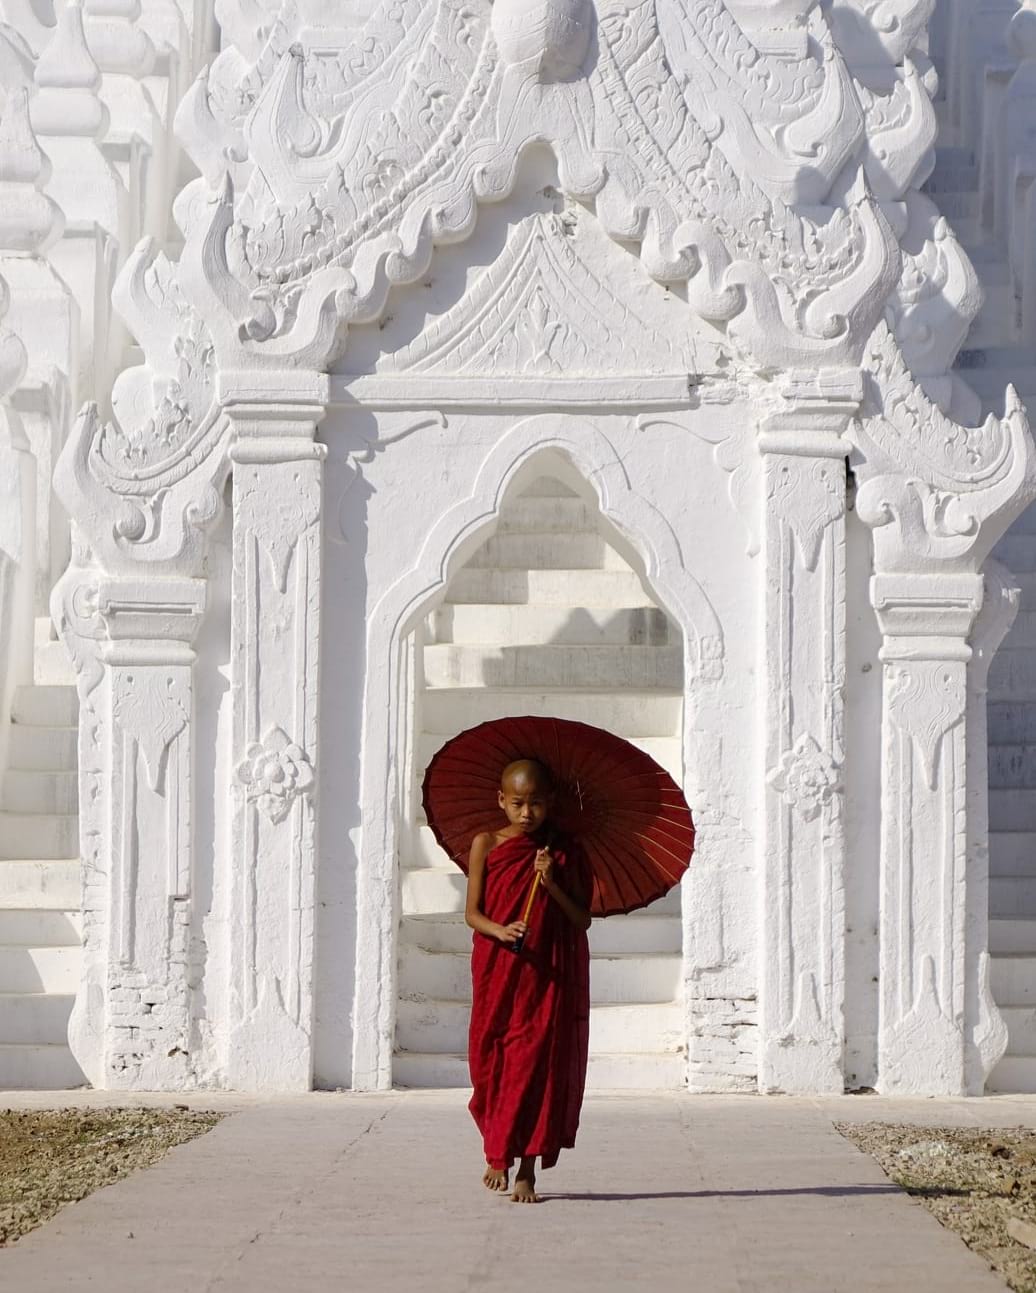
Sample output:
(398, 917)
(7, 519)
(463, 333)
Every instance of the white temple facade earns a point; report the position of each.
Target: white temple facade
(370, 369)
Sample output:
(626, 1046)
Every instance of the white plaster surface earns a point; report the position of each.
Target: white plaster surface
(384, 1192)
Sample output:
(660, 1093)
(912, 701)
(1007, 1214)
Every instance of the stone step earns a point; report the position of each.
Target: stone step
(547, 515)
(1005, 360)
(48, 749)
(519, 625)
(1012, 810)
(1012, 766)
(441, 1027)
(446, 976)
(611, 667)
(39, 1068)
(35, 927)
(35, 1018)
(995, 324)
(1024, 524)
(544, 487)
(615, 1072)
(1012, 896)
(1013, 979)
(667, 751)
(957, 205)
(39, 792)
(1012, 936)
(958, 177)
(990, 384)
(38, 835)
(1012, 852)
(1011, 722)
(1017, 552)
(1014, 1073)
(1027, 592)
(516, 550)
(1023, 632)
(47, 885)
(566, 588)
(53, 706)
(642, 931)
(437, 891)
(40, 969)
(628, 713)
(52, 665)
(1021, 1029)
(1012, 676)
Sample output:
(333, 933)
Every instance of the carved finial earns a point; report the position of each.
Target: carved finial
(1021, 34)
(68, 81)
(115, 40)
(551, 36)
(29, 221)
(13, 360)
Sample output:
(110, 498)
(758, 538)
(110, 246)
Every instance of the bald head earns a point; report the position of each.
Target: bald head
(525, 774)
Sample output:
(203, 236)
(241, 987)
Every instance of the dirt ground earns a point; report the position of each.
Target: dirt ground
(975, 1181)
(52, 1157)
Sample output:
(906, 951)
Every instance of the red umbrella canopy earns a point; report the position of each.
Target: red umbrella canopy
(628, 813)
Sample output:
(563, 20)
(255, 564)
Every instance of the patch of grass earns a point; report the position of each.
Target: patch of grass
(52, 1157)
(973, 1180)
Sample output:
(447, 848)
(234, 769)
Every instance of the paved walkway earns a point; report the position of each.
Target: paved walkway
(382, 1194)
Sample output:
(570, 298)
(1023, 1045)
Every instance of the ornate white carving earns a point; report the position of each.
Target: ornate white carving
(150, 712)
(806, 777)
(274, 772)
(540, 310)
(935, 491)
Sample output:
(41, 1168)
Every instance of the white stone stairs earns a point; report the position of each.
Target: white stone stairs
(991, 358)
(40, 952)
(546, 619)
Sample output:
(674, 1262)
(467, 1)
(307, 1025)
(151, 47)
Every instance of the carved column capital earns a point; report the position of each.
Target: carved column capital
(150, 620)
(926, 616)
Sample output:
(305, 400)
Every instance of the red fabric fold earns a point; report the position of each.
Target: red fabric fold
(530, 1016)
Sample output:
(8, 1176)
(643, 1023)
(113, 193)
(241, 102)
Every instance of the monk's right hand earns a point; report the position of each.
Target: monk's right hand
(510, 934)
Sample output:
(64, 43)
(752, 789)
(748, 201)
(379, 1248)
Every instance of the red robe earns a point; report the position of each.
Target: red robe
(530, 1016)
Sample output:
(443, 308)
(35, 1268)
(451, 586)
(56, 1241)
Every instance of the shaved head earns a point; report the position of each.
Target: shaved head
(528, 772)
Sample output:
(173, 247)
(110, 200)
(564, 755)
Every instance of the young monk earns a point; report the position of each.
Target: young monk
(530, 1016)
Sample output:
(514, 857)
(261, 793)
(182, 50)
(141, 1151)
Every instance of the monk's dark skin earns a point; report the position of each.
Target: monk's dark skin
(525, 798)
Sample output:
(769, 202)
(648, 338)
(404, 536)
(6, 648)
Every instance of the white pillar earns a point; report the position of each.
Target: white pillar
(277, 481)
(925, 621)
(132, 1028)
(802, 971)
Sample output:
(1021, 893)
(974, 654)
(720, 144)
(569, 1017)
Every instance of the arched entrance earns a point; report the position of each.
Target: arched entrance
(547, 616)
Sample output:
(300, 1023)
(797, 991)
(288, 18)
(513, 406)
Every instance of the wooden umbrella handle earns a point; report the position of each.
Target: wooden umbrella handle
(519, 942)
(532, 894)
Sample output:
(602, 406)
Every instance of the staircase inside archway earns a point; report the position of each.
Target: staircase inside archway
(546, 618)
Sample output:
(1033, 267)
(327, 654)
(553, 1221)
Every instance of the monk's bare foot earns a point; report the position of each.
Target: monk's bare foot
(525, 1183)
(494, 1179)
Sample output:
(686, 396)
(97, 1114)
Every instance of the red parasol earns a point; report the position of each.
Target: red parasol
(626, 811)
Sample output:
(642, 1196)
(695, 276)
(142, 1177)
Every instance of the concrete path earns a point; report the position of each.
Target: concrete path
(382, 1194)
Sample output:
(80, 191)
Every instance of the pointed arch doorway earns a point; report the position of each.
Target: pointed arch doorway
(548, 616)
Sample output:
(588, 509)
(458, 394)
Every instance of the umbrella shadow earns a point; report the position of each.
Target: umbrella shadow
(821, 1191)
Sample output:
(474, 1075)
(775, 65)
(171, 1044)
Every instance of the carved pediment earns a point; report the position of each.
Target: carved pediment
(540, 311)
